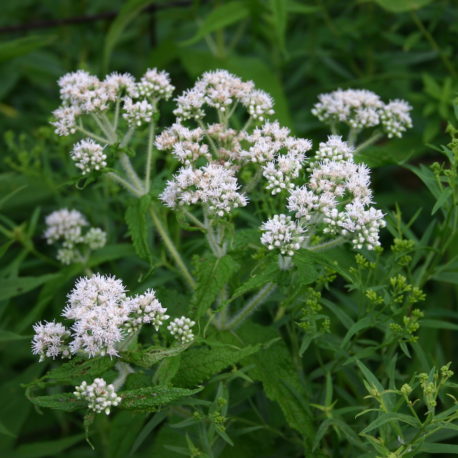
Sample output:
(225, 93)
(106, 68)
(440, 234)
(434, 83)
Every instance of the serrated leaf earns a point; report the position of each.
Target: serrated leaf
(151, 355)
(152, 398)
(221, 16)
(138, 225)
(199, 364)
(212, 274)
(62, 401)
(79, 369)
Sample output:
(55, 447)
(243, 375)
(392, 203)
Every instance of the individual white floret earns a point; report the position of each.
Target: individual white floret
(362, 224)
(50, 340)
(359, 108)
(100, 396)
(65, 225)
(68, 256)
(118, 84)
(137, 113)
(303, 202)
(95, 238)
(259, 104)
(334, 149)
(396, 118)
(189, 105)
(282, 233)
(281, 173)
(84, 91)
(154, 84)
(145, 308)
(65, 120)
(167, 139)
(214, 185)
(88, 156)
(180, 328)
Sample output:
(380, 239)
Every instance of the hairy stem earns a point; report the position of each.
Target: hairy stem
(370, 141)
(327, 245)
(131, 188)
(149, 156)
(131, 173)
(171, 248)
(259, 298)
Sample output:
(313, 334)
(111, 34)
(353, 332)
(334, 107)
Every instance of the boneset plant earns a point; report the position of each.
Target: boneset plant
(273, 220)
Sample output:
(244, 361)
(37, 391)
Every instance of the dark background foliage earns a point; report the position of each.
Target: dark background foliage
(293, 49)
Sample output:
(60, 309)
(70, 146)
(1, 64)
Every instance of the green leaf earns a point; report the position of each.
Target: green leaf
(62, 401)
(274, 368)
(268, 273)
(47, 448)
(152, 398)
(124, 429)
(396, 6)
(111, 253)
(280, 15)
(199, 364)
(429, 447)
(151, 355)
(221, 16)
(364, 323)
(8, 336)
(4, 430)
(390, 417)
(129, 11)
(439, 324)
(79, 369)
(370, 377)
(12, 287)
(24, 45)
(212, 274)
(138, 225)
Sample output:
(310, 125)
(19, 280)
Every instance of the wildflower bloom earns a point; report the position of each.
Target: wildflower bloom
(137, 113)
(50, 340)
(145, 308)
(88, 156)
(360, 108)
(64, 225)
(282, 233)
(154, 84)
(100, 396)
(180, 328)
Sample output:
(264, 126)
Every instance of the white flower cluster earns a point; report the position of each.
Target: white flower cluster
(82, 93)
(66, 227)
(180, 328)
(50, 340)
(103, 316)
(222, 90)
(143, 309)
(100, 396)
(88, 156)
(214, 186)
(336, 201)
(360, 108)
(282, 233)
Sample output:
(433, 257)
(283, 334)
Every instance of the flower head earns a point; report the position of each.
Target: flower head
(282, 233)
(180, 328)
(50, 340)
(65, 225)
(100, 396)
(88, 156)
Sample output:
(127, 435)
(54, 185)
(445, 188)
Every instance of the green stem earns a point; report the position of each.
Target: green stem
(370, 141)
(171, 248)
(131, 173)
(149, 156)
(92, 135)
(326, 245)
(116, 115)
(115, 177)
(259, 298)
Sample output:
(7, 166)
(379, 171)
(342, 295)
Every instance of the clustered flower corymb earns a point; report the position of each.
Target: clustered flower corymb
(103, 317)
(213, 155)
(90, 104)
(66, 228)
(336, 201)
(360, 108)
